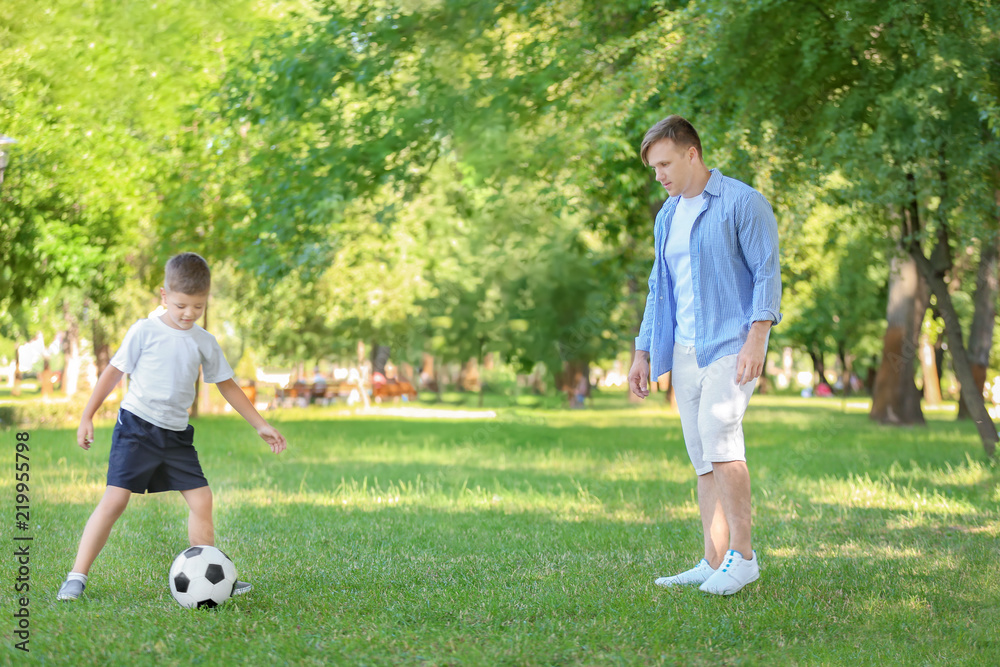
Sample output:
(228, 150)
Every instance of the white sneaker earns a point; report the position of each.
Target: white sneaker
(697, 575)
(734, 573)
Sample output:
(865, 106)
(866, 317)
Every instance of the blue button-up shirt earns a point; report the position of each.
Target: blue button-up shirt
(734, 274)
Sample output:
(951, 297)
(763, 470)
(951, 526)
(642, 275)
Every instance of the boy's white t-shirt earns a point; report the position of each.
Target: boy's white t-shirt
(678, 256)
(162, 363)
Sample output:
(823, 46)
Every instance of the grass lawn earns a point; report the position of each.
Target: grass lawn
(531, 539)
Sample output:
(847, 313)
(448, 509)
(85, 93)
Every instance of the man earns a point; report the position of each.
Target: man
(714, 292)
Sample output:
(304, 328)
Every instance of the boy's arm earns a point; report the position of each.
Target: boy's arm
(236, 398)
(105, 384)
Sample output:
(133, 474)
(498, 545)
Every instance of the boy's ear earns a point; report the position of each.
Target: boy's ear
(163, 294)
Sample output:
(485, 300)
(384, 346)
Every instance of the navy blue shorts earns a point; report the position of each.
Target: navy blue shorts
(146, 457)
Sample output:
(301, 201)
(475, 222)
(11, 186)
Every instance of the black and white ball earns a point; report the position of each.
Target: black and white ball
(202, 576)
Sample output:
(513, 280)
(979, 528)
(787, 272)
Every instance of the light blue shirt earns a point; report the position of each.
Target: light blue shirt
(735, 275)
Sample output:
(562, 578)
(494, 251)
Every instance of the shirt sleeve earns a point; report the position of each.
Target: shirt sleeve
(214, 366)
(758, 238)
(127, 355)
(644, 340)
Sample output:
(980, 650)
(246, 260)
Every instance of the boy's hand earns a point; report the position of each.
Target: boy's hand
(85, 433)
(273, 438)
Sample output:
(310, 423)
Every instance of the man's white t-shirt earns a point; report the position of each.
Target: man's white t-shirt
(162, 363)
(678, 256)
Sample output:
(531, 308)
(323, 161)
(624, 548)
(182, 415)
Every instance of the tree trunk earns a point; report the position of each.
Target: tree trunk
(16, 389)
(572, 374)
(981, 333)
(819, 365)
(438, 380)
(963, 370)
(939, 361)
(102, 351)
(933, 270)
(468, 377)
(928, 365)
(895, 399)
(481, 362)
(846, 370)
(71, 354)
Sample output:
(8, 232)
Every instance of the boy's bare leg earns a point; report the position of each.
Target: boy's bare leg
(201, 530)
(98, 528)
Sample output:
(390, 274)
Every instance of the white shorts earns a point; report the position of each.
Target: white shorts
(711, 405)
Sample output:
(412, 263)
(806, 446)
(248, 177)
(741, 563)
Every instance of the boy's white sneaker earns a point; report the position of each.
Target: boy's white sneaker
(696, 576)
(734, 573)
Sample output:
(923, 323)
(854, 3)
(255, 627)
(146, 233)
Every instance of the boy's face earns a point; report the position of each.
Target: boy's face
(183, 310)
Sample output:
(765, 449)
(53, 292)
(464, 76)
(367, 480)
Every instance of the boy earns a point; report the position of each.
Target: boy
(152, 445)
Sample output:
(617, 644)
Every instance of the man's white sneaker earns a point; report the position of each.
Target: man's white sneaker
(696, 576)
(734, 573)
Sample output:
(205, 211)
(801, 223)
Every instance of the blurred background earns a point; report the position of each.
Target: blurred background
(442, 201)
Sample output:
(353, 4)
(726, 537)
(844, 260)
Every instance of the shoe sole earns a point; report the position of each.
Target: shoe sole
(678, 583)
(745, 584)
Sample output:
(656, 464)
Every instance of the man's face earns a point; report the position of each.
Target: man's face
(183, 310)
(674, 166)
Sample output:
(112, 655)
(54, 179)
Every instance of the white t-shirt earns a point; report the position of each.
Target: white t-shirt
(162, 363)
(678, 256)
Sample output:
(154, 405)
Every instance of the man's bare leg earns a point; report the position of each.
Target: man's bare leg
(732, 482)
(713, 520)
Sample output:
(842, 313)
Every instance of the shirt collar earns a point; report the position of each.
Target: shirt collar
(714, 185)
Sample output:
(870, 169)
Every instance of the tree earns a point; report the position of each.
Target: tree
(981, 332)
(897, 96)
(97, 93)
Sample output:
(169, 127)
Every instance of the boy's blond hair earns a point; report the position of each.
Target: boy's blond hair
(188, 273)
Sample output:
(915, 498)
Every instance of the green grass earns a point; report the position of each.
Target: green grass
(532, 539)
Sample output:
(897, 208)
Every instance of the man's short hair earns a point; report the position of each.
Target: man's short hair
(188, 273)
(675, 128)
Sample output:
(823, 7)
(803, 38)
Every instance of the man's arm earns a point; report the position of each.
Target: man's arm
(105, 384)
(235, 397)
(758, 238)
(750, 361)
(638, 375)
(757, 234)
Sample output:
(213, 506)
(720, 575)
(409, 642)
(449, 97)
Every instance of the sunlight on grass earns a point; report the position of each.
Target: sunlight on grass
(535, 540)
(570, 504)
(883, 493)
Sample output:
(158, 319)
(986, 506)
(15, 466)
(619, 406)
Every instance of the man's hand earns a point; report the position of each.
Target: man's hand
(85, 433)
(273, 438)
(750, 361)
(638, 377)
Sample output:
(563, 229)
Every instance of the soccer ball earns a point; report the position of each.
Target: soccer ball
(202, 576)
